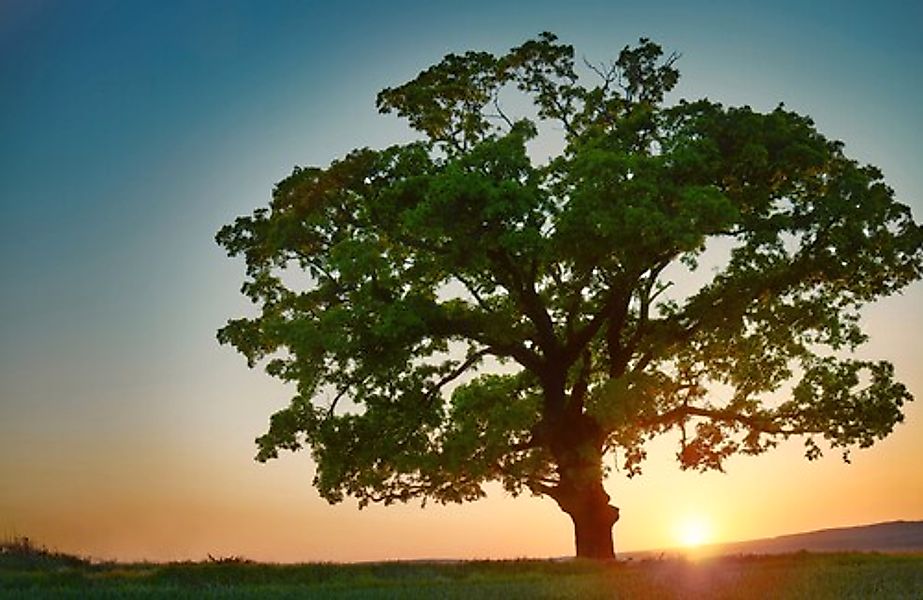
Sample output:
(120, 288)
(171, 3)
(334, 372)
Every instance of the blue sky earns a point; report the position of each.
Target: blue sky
(131, 131)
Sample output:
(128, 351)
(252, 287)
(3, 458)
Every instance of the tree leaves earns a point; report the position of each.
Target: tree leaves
(391, 283)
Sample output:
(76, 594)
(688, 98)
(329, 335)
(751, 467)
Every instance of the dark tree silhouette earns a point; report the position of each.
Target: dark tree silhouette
(411, 272)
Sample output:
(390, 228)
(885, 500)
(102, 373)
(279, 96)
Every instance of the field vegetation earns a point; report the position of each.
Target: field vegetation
(29, 571)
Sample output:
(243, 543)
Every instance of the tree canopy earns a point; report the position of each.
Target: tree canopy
(455, 311)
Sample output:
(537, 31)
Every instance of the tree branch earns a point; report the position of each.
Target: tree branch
(530, 302)
(541, 489)
(616, 301)
(680, 414)
(472, 290)
(456, 373)
(578, 392)
(500, 113)
(607, 76)
(620, 354)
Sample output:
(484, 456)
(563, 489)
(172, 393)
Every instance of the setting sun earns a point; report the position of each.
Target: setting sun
(694, 531)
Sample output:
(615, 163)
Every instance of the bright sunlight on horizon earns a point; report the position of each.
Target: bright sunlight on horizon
(693, 531)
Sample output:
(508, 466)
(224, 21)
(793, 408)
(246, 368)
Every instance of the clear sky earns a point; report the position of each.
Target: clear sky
(131, 131)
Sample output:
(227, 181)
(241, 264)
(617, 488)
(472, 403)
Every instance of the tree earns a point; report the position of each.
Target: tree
(454, 312)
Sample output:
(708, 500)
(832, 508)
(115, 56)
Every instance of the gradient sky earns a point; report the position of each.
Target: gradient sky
(131, 131)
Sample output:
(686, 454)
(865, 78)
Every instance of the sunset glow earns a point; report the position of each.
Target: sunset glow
(694, 531)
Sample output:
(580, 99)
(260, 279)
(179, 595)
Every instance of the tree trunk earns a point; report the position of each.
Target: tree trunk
(593, 518)
(577, 447)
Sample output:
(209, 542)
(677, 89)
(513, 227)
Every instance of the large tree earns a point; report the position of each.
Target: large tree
(454, 311)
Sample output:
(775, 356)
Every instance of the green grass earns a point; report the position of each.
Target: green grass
(29, 572)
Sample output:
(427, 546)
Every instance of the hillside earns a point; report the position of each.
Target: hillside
(894, 536)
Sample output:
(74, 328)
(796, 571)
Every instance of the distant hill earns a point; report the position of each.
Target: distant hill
(895, 536)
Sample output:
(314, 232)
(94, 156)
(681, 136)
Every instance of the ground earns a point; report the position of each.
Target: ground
(43, 574)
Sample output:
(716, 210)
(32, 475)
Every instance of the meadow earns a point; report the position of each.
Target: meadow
(30, 572)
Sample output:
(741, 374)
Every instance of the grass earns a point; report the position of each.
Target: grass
(27, 571)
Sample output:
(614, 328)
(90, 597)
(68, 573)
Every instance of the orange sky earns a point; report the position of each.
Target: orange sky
(130, 133)
(133, 500)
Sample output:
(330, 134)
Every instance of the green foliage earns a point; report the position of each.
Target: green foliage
(391, 283)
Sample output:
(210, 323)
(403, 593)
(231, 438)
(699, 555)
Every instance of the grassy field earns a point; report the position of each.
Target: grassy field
(29, 572)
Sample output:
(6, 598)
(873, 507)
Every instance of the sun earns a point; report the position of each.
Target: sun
(693, 531)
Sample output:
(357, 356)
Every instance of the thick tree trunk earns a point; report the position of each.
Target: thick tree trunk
(577, 446)
(593, 531)
(593, 518)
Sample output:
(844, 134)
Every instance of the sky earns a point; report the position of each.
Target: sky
(130, 132)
